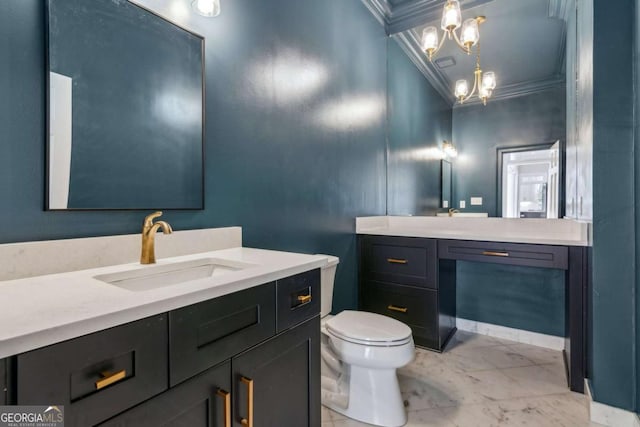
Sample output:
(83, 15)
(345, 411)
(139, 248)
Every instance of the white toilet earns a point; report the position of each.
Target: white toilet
(360, 354)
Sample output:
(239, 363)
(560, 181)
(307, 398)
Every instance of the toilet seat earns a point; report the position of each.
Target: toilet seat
(368, 329)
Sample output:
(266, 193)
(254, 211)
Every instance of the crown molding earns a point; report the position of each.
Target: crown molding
(517, 90)
(411, 47)
(381, 10)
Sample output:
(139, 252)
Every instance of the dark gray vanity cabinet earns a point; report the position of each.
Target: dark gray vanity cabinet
(401, 277)
(210, 364)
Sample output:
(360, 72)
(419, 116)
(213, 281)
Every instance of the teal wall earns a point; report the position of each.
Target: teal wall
(613, 359)
(517, 297)
(478, 131)
(293, 163)
(419, 120)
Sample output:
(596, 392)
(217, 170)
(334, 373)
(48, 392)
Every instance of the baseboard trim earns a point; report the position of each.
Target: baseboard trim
(525, 337)
(609, 416)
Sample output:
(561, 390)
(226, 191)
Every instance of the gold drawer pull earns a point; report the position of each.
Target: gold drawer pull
(397, 261)
(399, 309)
(491, 253)
(109, 378)
(303, 299)
(249, 420)
(226, 398)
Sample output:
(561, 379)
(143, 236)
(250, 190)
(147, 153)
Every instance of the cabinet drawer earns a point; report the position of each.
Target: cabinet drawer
(298, 299)
(199, 402)
(403, 260)
(205, 334)
(416, 307)
(77, 373)
(505, 253)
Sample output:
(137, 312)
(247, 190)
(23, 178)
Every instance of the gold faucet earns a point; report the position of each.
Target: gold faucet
(149, 230)
(452, 211)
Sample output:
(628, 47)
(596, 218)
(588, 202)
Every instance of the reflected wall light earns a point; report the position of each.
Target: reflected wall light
(449, 149)
(208, 8)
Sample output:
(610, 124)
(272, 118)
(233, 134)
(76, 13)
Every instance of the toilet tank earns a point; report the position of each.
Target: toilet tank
(327, 278)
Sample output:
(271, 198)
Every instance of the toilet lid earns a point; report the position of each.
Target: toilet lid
(368, 328)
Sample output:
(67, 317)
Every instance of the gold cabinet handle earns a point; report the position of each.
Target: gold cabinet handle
(109, 378)
(399, 309)
(397, 261)
(249, 420)
(226, 398)
(492, 253)
(303, 299)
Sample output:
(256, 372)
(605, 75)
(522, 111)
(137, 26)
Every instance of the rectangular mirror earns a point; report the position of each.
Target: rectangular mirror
(126, 108)
(446, 193)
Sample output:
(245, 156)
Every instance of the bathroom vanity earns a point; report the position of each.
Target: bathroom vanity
(408, 270)
(238, 347)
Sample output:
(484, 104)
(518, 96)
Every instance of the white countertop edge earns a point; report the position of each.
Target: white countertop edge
(386, 231)
(43, 337)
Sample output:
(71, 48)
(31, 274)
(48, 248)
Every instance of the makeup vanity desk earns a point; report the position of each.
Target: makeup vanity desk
(407, 270)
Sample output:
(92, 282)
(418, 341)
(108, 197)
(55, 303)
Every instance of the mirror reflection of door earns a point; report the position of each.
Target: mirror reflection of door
(530, 182)
(446, 179)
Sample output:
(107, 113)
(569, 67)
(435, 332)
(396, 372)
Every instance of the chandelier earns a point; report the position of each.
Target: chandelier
(483, 84)
(451, 21)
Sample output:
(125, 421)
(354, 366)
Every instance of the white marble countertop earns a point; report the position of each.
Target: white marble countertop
(43, 310)
(563, 232)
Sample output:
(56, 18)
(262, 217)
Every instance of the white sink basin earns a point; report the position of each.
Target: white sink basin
(159, 276)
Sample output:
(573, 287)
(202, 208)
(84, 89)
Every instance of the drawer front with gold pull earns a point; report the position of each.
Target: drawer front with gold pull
(99, 375)
(543, 256)
(402, 260)
(417, 307)
(298, 299)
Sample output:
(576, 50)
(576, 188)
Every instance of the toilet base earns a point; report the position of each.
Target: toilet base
(374, 398)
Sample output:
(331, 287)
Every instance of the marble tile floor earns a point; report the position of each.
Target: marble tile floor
(483, 381)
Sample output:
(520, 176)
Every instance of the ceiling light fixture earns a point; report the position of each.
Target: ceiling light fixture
(484, 84)
(208, 8)
(451, 21)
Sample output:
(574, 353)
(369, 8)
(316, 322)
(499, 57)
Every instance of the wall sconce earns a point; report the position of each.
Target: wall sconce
(449, 149)
(208, 8)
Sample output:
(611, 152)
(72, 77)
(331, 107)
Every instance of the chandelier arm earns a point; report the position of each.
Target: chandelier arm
(477, 73)
(459, 43)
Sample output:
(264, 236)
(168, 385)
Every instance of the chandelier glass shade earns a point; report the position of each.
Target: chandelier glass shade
(207, 8)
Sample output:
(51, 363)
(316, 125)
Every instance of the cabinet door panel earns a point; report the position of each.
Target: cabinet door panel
(198, 402)
(205, 334)
(285, 374)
